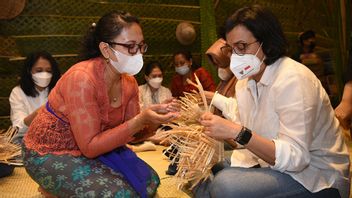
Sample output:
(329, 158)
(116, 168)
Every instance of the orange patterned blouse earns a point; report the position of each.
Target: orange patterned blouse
(89, 124)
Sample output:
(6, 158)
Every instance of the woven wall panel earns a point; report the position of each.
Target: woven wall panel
(7, 82)
(98, 8)
(159, 34)
(75, 25)
(4, 106)
(5, 122)
(8, 46)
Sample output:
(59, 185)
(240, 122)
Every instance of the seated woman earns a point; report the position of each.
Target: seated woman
(39, 75)
(183, 66)
(221, 61)
(153, 92)
(75, 146)
(281, 115)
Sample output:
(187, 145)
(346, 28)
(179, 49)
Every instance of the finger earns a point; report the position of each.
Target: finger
(159, 108)
(206, 123)
(164, 118)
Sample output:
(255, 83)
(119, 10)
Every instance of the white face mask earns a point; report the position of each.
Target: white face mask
(155, 82)
(42, 79)
(182, 70)
(224, 74)
(127, 64)
(246, 65)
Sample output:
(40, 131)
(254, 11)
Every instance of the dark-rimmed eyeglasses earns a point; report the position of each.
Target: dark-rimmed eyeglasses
(239, 48)
(132, 48)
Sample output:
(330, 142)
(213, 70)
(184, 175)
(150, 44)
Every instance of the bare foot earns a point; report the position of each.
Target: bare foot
(45, 193)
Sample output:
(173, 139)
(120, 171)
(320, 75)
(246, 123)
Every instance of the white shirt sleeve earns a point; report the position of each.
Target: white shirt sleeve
(19, 109)
(228, 106)
(297, 102)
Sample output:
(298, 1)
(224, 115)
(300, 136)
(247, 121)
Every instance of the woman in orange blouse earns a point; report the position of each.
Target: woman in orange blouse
(76, 144)
(183, 66)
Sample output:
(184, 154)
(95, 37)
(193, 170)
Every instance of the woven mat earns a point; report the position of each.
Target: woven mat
(20, 185)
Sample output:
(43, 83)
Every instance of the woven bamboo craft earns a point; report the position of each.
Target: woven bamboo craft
(196, 152)
(9, 151)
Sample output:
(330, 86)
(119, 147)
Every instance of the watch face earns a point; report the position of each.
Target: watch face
(244, 136)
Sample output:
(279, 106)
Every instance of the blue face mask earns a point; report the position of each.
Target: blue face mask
(182, 70)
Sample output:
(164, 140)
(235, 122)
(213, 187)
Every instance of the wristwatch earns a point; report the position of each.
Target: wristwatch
(244, 136)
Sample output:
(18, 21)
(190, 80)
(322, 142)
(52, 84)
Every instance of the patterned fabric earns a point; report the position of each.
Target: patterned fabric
(81, 98)
(69, 176)
(178, 86)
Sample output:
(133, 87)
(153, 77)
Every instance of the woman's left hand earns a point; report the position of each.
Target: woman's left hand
(218, 127)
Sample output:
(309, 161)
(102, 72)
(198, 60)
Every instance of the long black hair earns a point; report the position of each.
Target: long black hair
(108, 27)
(264, 26)
(26, 81)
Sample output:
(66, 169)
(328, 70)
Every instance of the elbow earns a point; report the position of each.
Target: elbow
(89, 152)
(302, 163)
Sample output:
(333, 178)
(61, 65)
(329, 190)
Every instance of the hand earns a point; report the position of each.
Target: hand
(218, 127)
(157, 114)
(172, 105)
(343, 113)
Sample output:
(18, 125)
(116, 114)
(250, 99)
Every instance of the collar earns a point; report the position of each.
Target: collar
(269, 72)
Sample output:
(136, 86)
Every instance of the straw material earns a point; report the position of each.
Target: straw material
(8, 151)
(196, 152)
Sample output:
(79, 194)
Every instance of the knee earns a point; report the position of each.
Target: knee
(223, 185)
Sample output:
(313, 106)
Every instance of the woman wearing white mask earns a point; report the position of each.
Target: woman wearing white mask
(39, 75)
(226, 86)
(78, 140)
(281, 115)
(153, 92)
(183, 67)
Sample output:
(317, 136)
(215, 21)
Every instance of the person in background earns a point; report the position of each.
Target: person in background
(183, 66)
(344, 110)
(39, 75)
(75, 146)
(153, 92)
(221, 61)
(292, 145)
(307, 55)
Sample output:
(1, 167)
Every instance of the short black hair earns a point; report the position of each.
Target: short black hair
(185, 53)
(264, 26)
(26, 81)
(306, 35)
(188, 56)
(150, 66)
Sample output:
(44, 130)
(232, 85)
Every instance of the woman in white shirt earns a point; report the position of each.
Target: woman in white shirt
(153, 92)
(281, 115)
(39, 75)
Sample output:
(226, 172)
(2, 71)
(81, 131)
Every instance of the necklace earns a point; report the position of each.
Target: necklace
(114, 99)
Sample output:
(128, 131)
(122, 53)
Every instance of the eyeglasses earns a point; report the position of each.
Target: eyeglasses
(239, 49)
(132, 48)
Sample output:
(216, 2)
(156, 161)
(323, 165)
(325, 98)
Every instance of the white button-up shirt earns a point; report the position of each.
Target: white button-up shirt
(289, 106)
(23, 105)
